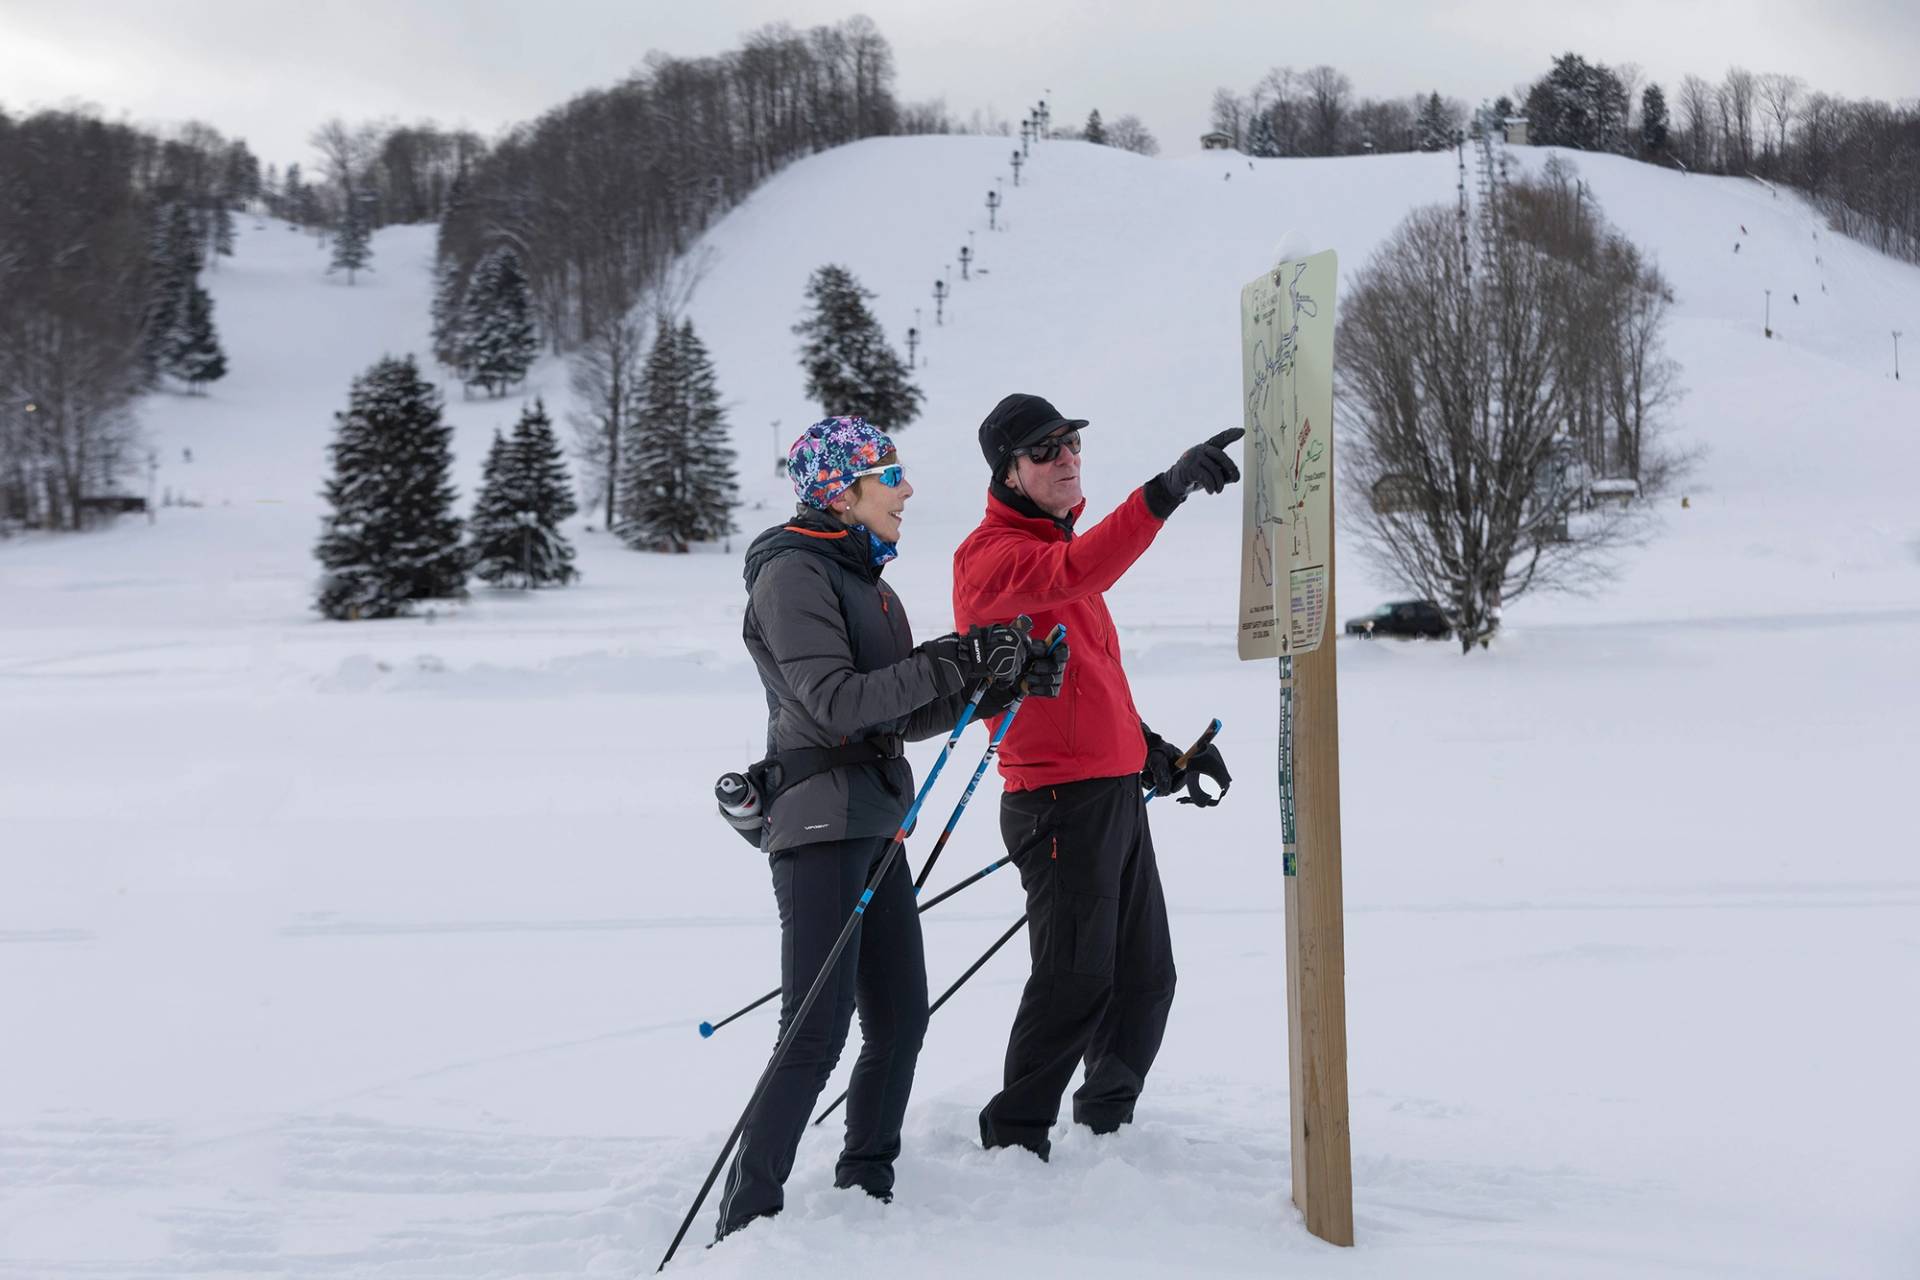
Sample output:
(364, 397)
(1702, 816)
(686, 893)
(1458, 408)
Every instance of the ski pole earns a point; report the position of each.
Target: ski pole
(1199, 745)
(820, 980)
(1054, 638)
(1180, 761)
(708, 1028)
(934, 1008)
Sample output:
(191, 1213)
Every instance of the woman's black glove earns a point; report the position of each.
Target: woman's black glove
(997, 653)
(1206, 763)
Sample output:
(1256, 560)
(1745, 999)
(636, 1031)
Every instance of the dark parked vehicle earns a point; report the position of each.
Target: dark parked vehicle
(1408, 618)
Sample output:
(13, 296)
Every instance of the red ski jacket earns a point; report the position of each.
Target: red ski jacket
(1016, 563)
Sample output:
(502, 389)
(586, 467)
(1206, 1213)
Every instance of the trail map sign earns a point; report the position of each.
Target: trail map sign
(1286, 597)
(1286, 327)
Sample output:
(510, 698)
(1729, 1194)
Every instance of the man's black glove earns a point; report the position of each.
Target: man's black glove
(1046, 670)
(1206, 763)
(1205, 466)
(997, 653)
(1162, 775)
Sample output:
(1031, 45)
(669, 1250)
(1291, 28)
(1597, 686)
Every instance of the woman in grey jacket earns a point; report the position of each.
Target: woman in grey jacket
(846, 687)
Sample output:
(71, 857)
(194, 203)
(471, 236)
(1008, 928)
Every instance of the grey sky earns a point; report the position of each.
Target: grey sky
(269, 70)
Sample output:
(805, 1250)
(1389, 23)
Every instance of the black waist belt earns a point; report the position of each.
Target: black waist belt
(785, 769)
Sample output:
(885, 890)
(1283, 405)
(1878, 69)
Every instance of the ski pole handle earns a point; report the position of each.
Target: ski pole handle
(1180, 761)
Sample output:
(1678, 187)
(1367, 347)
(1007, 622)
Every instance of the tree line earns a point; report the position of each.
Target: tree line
(1314, 113)
(599, 196)
(1857, 160)
(104, 231)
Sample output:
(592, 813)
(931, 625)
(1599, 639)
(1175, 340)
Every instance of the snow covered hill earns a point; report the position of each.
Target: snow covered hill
(376, 949)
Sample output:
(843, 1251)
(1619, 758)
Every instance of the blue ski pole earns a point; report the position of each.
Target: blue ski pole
(708, 1028)
(1054, 637)
(819, 982)
(1199, 745)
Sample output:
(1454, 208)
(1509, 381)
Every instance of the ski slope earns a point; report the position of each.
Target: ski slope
(376, 950)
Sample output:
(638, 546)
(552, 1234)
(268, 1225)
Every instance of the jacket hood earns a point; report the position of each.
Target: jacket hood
(816, 533)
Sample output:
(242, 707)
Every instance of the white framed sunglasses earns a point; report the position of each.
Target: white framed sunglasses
(890, 475)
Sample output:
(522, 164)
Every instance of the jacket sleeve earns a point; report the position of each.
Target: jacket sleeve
(1007, 574)
(804, 630)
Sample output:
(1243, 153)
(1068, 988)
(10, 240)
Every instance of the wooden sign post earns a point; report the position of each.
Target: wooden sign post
(1286, 604)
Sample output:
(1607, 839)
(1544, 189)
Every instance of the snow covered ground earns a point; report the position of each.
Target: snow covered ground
(376, 950)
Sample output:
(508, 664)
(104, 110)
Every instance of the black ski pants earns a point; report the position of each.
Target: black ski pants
(1103, 975)
(883, 973)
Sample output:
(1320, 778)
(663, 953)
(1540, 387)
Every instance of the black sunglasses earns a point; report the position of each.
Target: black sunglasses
(1049, 449)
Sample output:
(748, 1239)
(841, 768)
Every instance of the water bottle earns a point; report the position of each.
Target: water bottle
(740, 805)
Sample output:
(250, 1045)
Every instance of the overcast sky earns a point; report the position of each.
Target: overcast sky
(269, 70)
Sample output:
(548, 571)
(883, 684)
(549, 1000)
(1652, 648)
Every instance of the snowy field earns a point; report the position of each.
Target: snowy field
(377, 949)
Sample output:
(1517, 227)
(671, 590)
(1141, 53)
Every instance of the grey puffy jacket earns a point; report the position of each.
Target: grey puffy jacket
(836, 656)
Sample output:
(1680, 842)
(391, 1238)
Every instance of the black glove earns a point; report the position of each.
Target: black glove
(1205, 466)
(997, 653)
(1161, 775)
(1206, 763)
(1046, 671)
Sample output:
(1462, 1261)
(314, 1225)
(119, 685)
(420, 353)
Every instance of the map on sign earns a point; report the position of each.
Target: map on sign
(1286, 347)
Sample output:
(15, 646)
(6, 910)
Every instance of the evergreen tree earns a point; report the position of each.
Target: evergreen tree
(515, 535)
(173, 264)
(849, 366)
(448, 342)
(498, 337)
(392, 538)
(1653, 120)
(1502, 108)
(712, 485)
(677, 483)
(1434, 128)
(1261, 142)
(196, 355)
(1578, 104)
(222, 232)
(1096, 132)
(352, 247)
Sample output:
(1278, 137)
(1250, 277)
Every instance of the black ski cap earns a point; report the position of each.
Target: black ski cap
(1018, 421)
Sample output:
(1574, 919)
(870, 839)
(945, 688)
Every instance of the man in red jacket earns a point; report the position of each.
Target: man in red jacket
(1074, 815)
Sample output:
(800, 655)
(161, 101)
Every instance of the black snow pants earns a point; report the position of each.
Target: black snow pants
(1103, 975)
(883, 973)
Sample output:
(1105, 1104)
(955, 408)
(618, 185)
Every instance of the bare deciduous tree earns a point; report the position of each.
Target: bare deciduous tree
(1328, 94)
(1780, 94)
(1458, 387)
(605, 372)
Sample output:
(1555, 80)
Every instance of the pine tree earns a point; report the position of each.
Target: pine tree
(849, 366)
(173, 263)
(515, 535)
(196, 355)
(392, 538)
(499, 340)
(222, 232)
(1261, 142)
(448, 342)
(712, 485)
(677, 483)
(1653, 120)
(1096, 131)
(1435, 128)
(352, 247)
